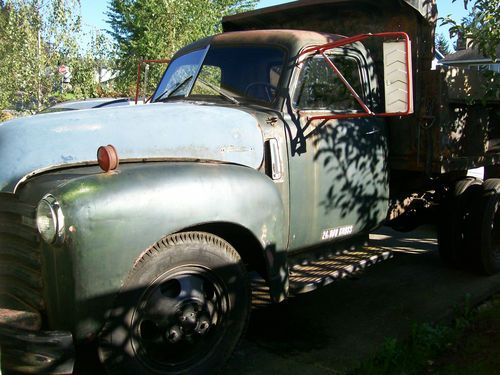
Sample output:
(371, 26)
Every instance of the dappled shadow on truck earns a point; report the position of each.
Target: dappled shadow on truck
(348, 181)
(353, 155)
(464, 122)
(147, 327)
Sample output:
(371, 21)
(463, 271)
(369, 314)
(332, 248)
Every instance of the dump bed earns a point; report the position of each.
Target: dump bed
(453, 127)
(457, 126)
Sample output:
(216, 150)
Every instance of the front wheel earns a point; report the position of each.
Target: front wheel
(182, 310)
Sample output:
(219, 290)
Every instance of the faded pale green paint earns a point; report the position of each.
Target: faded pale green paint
(119, 215)
(338, 168)
(116, 216)
(339, 179)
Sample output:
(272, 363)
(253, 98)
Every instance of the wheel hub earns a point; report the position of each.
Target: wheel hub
(189, 317)
(179, 317)
(193, 319)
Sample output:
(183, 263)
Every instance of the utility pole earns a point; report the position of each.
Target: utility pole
(99, 61)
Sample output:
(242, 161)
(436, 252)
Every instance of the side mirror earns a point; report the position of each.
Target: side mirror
(397, 78)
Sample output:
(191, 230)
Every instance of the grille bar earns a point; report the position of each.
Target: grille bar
(20, 255)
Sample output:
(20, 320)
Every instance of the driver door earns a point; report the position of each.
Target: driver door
(338, 171)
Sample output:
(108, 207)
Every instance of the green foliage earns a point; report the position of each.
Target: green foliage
(442, 44)
(147, 29)
(86, 68)
(417, 355)
(36, 37)
(481, 25)
(18, 41)
(478, 350)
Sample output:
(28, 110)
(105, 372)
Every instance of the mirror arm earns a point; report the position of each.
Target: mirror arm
(357, 38)
(139, 66)
(344, 81)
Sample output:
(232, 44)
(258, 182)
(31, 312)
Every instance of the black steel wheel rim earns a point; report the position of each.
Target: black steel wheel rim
(180, 318)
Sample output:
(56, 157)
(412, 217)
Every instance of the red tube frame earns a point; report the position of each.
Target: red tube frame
(357, 38)
(139, 65)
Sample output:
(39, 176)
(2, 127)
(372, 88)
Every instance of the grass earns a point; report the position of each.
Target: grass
(469, 345)
(478, 350)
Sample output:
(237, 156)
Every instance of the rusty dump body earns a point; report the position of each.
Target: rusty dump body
(455, 124)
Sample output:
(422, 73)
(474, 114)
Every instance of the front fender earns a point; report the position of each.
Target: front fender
(111, 218)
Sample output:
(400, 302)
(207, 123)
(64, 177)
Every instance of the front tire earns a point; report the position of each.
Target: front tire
(182, 310)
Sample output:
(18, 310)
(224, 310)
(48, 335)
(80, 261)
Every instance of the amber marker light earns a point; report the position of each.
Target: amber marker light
(107, 158)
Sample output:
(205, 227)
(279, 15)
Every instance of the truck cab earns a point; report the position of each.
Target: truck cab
(332, 179)
(234, 152)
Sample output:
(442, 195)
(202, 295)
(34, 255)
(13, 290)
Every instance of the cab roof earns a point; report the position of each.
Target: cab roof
(291, 40)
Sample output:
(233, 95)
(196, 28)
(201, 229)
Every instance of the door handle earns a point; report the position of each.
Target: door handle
(276, 164)
(373, 131)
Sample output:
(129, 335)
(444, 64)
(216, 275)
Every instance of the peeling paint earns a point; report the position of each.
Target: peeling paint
(73, 129)
(236, 149)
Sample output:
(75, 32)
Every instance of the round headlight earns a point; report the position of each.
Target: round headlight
(49, 219)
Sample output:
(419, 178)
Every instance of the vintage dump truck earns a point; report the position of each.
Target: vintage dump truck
(273, 148)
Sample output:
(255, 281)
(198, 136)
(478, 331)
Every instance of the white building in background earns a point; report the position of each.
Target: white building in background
(436, 61)
(471, 58)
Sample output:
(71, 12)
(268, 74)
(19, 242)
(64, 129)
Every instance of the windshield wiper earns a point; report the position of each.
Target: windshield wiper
(164, 94)
(220, 91)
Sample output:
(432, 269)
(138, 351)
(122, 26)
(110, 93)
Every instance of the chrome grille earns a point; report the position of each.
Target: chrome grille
(20, 255)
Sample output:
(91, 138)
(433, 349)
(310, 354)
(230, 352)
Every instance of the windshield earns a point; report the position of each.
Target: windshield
(248, 72)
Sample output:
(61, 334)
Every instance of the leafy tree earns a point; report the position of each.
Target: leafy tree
(481, 25)
(37, 36)
(442, 44)
(17, 56)
(88, 66)
(147, 29)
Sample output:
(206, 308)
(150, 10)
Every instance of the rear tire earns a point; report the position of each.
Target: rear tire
(454, 226)
(486, 225)
(182, 310)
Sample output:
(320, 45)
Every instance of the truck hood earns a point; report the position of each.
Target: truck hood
(151, 132)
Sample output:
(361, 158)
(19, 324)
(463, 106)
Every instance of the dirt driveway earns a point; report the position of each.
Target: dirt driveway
(330, 330)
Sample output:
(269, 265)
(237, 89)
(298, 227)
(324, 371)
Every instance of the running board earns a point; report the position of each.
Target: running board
(315, 273)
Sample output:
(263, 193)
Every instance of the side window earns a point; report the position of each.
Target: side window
(320, 87)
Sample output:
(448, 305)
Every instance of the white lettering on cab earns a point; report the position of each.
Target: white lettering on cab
(328, 234)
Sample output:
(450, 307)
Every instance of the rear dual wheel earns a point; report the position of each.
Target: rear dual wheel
(469, 225)
(181, 311)
(455, 221)
(486, 228)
